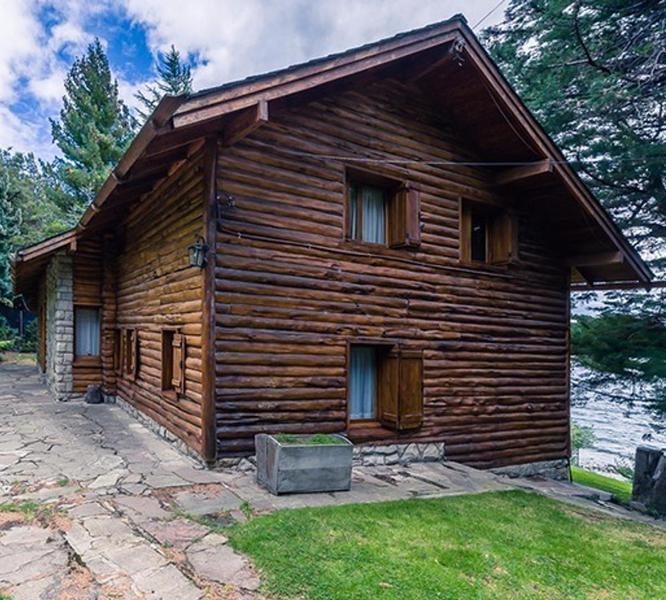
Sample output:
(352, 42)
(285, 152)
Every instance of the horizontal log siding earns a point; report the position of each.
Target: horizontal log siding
(157, 288)
(88, 280)
(291, 293)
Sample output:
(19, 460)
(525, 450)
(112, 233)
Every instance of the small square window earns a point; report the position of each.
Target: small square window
(116, 342)
(173, 361)
(488, 234)
(385, 385)
(382, 211)
(131, 351)
(479, 236)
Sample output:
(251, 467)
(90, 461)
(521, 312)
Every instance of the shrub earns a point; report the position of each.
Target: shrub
(27, 343)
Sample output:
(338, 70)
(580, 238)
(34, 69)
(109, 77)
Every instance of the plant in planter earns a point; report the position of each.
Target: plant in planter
(292, 463)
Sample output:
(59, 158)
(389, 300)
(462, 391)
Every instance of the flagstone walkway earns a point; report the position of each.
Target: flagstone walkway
(94, 505)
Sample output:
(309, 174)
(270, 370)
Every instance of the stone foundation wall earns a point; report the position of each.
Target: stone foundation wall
(398, 454)
(553, 469)
(59, 326)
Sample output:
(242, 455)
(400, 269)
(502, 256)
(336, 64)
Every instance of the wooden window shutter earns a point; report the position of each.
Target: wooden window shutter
(503, 239)
(405, 218)
(387, 390)
(410, 390)
(400, 390)
(135, 353)
(178, 362)
(465, 232)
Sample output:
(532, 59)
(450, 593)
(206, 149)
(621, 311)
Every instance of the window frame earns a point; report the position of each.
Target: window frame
(131, 352)
(402, 220)
(166, 375)
(115, 338)
(88, 358)
(387, 351)
(352, 182)
(497, 217)
(375, 408)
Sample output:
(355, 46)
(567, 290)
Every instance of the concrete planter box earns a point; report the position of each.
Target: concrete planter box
(305, 468)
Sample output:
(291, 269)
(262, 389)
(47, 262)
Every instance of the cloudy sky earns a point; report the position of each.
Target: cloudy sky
(222, 39)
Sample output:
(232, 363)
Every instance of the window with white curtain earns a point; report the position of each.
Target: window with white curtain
(363, 382)
(86, 331)
(367, 213)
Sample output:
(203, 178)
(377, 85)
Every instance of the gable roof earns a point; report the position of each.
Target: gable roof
(447, 52)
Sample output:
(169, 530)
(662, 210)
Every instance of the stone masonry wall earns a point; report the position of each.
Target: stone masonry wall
(552, 469)
(59, 326)
(398, 454)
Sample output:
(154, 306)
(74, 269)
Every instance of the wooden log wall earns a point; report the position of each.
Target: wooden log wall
(88, 278)
(156, 288)
(291, 293)
(109, 320)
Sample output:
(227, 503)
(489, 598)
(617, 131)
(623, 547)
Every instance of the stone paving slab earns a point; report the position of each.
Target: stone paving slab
(123, 504)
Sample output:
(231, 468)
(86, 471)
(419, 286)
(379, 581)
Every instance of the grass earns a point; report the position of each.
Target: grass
(27, 509)
(495, 545)
(620, 489)
(316, 439)
(24, 358)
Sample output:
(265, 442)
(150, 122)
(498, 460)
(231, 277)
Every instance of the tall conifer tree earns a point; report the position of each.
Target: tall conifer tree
(94, 129)
(174, 78)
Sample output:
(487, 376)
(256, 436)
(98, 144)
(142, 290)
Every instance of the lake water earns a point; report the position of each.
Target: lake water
(618, 431)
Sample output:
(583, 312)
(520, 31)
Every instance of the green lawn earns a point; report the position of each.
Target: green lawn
(495, 545)
(621, 489)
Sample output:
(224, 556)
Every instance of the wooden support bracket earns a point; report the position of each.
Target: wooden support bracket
(245, 123)
(516, 174)
(595, 260)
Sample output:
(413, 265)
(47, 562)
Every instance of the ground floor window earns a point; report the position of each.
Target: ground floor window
(385, 384)
(173, 361)
(363, 383)
(86, 331)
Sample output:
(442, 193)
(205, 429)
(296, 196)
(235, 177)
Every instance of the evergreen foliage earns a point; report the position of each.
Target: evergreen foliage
(174, 78)
(594, 74)
(93, 132)
(27, 210)
(10, 220)
(627, 351)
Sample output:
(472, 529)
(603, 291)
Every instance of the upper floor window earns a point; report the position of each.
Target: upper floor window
(86, 331)
(382, 210)
(488, 234)
(367, 213)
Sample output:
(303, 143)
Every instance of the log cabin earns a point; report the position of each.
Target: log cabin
(380, 243)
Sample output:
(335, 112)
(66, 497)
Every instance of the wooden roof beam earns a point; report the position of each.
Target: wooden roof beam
(454, 51)
(523, 172)
(245, 123)
(619, 285)
(595, 260)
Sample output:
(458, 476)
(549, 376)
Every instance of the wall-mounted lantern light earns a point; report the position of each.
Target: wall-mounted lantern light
(198, 252)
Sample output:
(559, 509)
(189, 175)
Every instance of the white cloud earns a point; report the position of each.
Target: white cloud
(230, 39)
(237, 38)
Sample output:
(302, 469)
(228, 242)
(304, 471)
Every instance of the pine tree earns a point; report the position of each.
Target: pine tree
(174, 78)
(94, 129)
